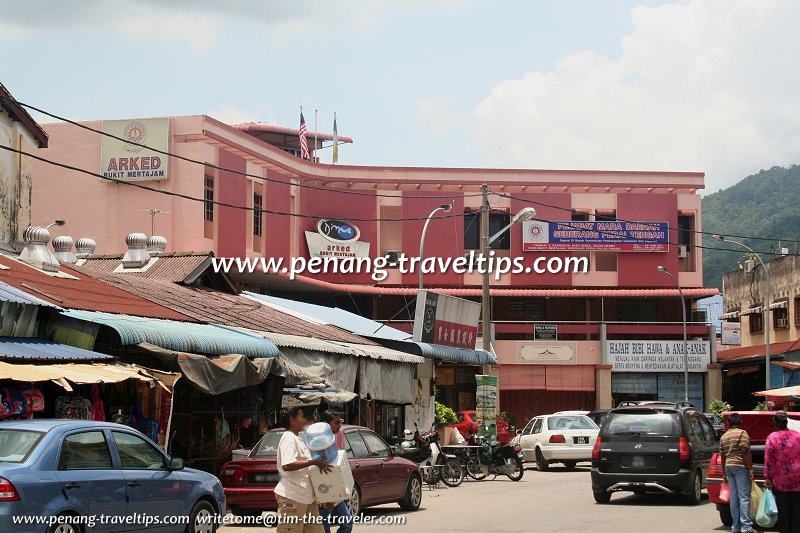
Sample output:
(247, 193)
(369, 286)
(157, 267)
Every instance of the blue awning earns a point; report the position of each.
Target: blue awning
(450, 354)
(12, 294)
(44, 350)
(209, 339)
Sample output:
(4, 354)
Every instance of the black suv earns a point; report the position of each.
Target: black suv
(653, 447)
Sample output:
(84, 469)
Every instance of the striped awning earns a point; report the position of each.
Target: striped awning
(782, 304)
(732, 314)
(752, 311)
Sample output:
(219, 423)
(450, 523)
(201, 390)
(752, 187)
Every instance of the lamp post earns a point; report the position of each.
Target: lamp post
(767, 324)
(526, 213)
(444, 207)
(663, 270)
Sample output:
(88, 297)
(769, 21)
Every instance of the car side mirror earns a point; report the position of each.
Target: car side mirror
(176, 463)
(519, 432)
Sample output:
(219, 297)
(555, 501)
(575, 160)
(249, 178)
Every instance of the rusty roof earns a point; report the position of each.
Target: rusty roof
(74, 290)
(175, 267)
(222, 308)
(757, 352)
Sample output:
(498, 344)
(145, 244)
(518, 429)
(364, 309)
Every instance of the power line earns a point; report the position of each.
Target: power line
(572, 210)
(234, 171)
(203, 200)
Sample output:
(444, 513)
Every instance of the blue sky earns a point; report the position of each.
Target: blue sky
(578, 84)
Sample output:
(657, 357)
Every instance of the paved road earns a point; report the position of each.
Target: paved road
(542, 501)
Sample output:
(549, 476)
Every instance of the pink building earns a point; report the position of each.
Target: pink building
(622, 298)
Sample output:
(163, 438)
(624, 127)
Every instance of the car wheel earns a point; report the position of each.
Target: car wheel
(696, 488)
(413, 497)
(541, 464)
(725, 515)
(354, 503)
(202, 519)
(602, 497)
(570, 465)
(64, 527)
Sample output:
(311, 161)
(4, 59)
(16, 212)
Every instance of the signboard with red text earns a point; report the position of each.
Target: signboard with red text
(133, 158)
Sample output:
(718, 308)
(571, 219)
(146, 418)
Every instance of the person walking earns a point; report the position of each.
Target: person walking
(737, 467)
(341, 511)
(782, 472)
(297, 505)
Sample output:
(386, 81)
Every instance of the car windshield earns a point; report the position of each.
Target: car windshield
(17, 444)
(712, 418)
(657, 423)
(268, 445)
(570, 422)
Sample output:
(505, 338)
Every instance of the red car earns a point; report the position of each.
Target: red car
(758, 425)
(465, 418)
(380, 475)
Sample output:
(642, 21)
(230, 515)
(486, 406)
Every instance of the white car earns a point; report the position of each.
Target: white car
(558, 438)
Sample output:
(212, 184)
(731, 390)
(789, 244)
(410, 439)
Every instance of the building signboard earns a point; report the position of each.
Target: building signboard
(545, 332)
(731, 333)
(141, 157)
(447, 320)
(337, 239)
(547, 352)
(608, 236)
(656, 356)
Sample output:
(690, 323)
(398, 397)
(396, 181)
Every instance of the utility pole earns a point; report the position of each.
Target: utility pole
(486, 306)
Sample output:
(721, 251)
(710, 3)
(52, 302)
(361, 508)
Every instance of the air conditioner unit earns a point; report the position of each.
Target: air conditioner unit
(393, 257)
(782, 322)
(683, 250)
(749, 265)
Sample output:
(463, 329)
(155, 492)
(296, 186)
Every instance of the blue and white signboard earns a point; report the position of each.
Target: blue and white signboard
(608, 236)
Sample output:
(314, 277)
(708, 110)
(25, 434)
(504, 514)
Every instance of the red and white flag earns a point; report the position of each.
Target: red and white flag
(303, 142)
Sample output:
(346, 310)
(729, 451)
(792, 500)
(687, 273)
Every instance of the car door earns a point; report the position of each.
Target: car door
(152, 488)
(362, 465)
(392, 472)
(705, 440)
(528, 441)
(90, 482)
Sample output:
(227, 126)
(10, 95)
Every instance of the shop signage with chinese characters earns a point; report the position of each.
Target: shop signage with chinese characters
(141, 156)
(337, 239)
(447, 320)
(609, 236)
(656, 356)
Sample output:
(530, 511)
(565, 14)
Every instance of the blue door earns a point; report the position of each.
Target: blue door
(89, 481)
(152, 489)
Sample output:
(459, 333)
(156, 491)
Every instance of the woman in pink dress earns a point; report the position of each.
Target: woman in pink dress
(782, 472)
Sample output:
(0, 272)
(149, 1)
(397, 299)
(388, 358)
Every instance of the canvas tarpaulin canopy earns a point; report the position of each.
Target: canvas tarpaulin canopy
(79, 374)
(387, 382)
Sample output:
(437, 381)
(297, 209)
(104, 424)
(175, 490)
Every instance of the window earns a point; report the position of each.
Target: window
(569, 422)
(85, 451)
(642, 423)
(534, 310)
(797, 311)
(528, 428)
(756, 322)
(780, 317)
(17, 444)
(136, 453)
(606, 215)
(355, 444)
(376, 445)
(580, 217)
(497, 221)
(268, 445)
(208, 204)
(696, 427)
(258, 214)
(685, 224)
(708, 429)
(638, 310)
(537, 426)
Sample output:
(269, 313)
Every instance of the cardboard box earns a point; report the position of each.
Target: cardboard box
(336, 485)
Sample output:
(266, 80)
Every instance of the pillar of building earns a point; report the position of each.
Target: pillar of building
(713, 384)
(602, 387)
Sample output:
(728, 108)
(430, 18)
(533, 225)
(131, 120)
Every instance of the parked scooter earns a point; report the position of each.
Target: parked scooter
(424, 450)
(497, 460)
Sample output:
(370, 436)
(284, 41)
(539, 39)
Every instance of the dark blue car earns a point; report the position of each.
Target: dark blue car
(96, 477)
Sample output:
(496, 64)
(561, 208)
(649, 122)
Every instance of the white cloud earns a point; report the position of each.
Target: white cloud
(231, 114)
(701, 86)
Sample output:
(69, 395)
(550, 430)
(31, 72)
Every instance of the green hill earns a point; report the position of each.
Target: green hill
(766, 204)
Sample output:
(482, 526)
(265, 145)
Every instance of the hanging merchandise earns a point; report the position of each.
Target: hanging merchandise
(35, 400)
(224, 428)
(118, 418)
(98, 407)
(73, 407)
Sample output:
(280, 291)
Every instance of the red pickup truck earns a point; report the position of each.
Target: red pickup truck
(758, 425)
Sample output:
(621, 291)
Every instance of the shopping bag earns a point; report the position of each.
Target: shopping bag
(755, 499)
(767, 515)
(725, 493)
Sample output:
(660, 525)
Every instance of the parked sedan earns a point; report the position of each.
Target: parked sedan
(380, 475)
(558, 438)
(86, 470)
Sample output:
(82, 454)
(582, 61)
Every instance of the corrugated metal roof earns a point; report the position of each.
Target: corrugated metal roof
(441, 352)
(222, 308)
(332, 315)
(209, 339)
(30, 348)
(714, 310)
(174, 267)
(74, 290)
(12, 294)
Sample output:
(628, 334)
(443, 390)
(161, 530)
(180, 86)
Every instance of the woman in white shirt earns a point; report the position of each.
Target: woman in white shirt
(297, 507)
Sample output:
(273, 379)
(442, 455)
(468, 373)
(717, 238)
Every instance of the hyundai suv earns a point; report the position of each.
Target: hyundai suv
(653, 447)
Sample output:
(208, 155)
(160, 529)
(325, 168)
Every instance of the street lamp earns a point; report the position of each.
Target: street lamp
(767, 324)
(663, 270)
(526, 213)
(444, 207)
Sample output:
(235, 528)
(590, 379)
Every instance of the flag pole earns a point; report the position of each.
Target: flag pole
(315, 134)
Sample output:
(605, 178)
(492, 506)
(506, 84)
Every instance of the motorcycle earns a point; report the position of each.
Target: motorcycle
(497, 460)
(436, 465)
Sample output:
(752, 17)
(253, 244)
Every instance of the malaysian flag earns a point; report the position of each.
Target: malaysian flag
(303, 143)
